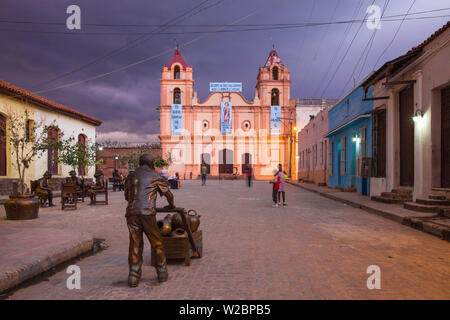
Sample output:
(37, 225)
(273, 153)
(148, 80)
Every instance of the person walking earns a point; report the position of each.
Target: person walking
(275, 185)
(204, 170)
(281, 189)
(249, 176)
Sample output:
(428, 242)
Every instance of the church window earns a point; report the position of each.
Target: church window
(275, 73)
(176, 72)
(177, 96)
(275, 97)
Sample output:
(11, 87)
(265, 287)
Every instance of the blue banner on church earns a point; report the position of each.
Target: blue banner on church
(225, 117)
(275, 120)
(177, 119)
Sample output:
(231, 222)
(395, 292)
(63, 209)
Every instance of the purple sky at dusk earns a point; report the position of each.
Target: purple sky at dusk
(126, 100)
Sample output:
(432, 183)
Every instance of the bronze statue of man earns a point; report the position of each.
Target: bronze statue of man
(99, 184)
(43, 189)
(74, 179)
(141, 189)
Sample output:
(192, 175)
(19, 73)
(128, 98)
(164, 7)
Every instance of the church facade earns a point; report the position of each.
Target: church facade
(226, 132)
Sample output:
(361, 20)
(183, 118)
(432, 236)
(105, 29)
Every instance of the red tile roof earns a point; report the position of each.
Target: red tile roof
(402, 61)
(17, 92)
(431, 38)
(177, 58)
(273, 58)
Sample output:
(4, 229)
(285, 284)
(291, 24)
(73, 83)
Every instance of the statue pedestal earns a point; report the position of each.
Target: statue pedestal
(178, 247)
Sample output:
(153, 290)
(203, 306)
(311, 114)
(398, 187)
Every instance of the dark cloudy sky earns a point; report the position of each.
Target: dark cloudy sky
(31, 54)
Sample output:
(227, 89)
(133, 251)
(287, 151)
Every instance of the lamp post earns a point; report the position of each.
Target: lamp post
(115, 162)
(291, 129)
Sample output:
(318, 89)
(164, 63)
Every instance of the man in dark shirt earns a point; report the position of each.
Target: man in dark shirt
(141, 189)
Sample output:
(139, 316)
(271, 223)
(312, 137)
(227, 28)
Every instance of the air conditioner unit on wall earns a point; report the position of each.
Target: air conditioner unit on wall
(364, 166)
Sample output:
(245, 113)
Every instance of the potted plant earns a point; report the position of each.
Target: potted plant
(27, 143)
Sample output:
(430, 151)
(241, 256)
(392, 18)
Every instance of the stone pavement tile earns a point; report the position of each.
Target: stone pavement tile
(28, 252)
(315, 248)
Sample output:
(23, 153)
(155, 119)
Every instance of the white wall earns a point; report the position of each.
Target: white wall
(71, 127)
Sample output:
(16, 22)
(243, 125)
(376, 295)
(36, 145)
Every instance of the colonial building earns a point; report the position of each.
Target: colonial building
(313, 149)
(350, 142)
(226, 132)
(16, 100)
(114, 159)
(412, 121)
(305, 111)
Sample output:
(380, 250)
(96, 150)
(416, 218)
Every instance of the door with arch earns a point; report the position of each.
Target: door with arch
(246, 162)
(2, 145)
(206, 161)
(226, 161)
(81, 142)
(52, 156)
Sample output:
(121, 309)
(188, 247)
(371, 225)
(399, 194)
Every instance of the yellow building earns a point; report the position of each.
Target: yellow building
(15, 100)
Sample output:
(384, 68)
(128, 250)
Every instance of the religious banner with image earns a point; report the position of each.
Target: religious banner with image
(225, 117)
(177, 119)
(275, 120)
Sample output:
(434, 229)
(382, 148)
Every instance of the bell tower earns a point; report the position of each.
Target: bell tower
(176, 82)
(273, 82)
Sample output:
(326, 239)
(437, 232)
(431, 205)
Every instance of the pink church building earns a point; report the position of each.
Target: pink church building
(259, 133)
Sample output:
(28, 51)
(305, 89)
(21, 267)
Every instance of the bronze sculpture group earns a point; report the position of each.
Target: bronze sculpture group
(42, 189)
(141, 189)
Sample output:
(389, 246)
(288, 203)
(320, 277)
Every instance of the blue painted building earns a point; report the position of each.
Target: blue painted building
(350, 141)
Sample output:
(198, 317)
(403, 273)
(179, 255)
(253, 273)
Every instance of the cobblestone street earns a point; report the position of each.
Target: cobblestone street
(315, 248)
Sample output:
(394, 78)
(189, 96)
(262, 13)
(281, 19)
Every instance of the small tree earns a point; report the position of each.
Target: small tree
(76, 155)
(27, 141)
(133, 157)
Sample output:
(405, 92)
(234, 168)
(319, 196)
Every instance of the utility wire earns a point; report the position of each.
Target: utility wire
(294, 26)
(13, 21)
(386, 3)
(308, 70)
(158, 54)
(127, 46)
(341, 43)
(395, 35)
(345, 55)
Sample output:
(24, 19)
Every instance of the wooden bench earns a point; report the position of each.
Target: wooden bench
(69, 196)
(103, 191)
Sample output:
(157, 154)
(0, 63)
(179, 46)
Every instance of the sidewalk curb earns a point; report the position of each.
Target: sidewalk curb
(15, 275)
(412, 222)
(353, 204)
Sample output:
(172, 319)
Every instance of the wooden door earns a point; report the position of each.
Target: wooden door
(226, 161)
(2, 145)
(52, 160)
(206, 161)
(406, 99)
(81, 141)
(246, 162)
(379, 144)
(445, 138)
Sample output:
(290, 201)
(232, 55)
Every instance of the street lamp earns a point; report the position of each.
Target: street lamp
(115, 162)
